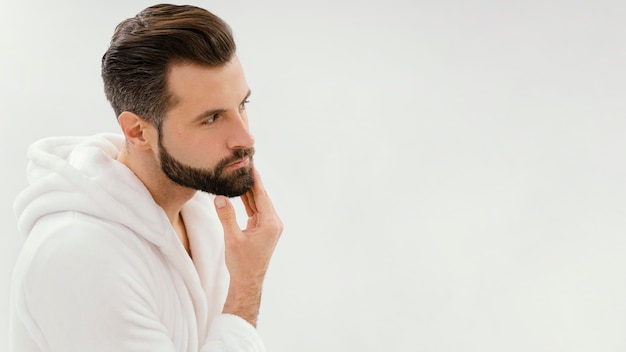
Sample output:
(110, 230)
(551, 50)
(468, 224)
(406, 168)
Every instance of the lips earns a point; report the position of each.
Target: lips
(239, 163)
(240, 158)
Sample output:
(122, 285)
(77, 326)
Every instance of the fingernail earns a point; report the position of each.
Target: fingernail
(220, 202)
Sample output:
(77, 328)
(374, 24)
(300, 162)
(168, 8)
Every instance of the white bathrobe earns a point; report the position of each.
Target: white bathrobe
(102, 268)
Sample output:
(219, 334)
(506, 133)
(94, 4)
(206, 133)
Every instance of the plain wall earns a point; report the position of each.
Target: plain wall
(450, 173)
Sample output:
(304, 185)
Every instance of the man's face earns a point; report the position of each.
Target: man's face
(204, 142)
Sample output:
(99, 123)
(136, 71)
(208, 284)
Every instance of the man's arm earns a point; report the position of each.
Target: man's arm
(248, 251)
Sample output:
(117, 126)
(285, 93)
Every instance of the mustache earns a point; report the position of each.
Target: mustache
(237, 155)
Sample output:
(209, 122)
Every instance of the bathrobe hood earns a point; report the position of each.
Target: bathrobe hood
(82, 174)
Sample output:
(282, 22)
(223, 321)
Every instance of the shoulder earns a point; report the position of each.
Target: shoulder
(70, 250)
(70, 237)
(89, 278)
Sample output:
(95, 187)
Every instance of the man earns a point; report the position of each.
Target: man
(132, 244)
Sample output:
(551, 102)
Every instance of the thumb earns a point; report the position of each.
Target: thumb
(226, 214)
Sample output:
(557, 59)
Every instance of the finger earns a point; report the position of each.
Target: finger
(227, 216)
(266, 216)
(248, 202)
(249, 195)
(260, 197)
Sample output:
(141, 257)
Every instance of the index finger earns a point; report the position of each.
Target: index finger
(260, 197)
(248, 202)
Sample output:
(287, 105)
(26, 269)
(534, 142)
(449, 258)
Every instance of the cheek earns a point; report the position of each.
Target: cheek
(201, 152)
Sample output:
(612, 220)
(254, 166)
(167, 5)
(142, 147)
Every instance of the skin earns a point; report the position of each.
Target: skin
(207, 123)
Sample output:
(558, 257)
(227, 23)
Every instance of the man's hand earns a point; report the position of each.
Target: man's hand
(248, 251)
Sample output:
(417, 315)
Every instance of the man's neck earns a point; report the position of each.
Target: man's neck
(170, 196)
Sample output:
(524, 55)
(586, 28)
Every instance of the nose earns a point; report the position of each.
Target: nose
(240, 136)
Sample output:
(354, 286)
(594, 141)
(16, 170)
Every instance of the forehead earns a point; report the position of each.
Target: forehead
(194, 86)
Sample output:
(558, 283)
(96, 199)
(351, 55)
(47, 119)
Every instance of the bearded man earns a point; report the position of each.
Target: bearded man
(132, 243)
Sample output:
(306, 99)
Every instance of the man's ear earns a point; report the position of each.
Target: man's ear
(135, 129)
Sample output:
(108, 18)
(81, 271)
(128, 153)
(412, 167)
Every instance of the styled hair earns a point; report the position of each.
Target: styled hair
(143, 49)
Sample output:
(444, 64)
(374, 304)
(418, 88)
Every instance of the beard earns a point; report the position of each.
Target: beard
(215, 180)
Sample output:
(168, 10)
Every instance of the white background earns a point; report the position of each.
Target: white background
(451, 173)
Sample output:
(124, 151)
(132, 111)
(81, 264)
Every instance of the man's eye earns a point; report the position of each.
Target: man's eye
(211, 119)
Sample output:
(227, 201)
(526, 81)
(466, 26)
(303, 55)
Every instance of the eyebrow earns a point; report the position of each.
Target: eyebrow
(208, 113)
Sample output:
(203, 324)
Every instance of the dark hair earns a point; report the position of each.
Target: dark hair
(143, 48)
